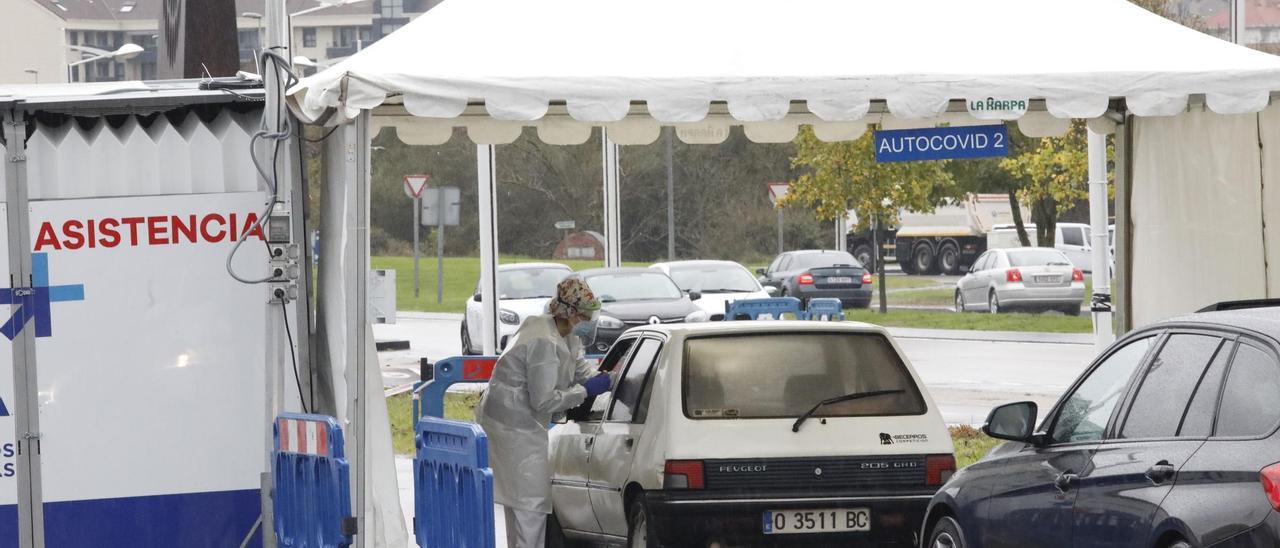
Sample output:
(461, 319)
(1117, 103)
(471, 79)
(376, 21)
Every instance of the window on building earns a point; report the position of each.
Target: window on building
(348, 36)
(388, 28)
(392, 9)
(249, 39)
(309, 37)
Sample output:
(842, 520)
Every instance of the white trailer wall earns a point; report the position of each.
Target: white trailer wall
(149, 358)
(1198, 208)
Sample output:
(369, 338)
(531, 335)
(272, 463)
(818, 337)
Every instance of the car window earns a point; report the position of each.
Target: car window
(785, 264)
(1249, 397)
(997, 262)
(713, 278)
(633, 286)
(776, 265)
(981, 263)
(1168, 384)
(1198, 420)
(1072, 235)
(597, 404)
(782, 375)
(626, 396)
(824, 259)
(530, 283)
(1083, 416)
(1037, 257)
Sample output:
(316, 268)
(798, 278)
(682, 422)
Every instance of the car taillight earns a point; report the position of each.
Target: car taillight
(1013, 275)
(866, 278)
(939, 468)
(683, 474)
(806, 279)
(1270, 478)
(1077, 275)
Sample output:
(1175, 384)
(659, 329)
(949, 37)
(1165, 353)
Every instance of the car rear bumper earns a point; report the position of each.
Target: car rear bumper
(850, 298)
(684, 518)
(1021, 295)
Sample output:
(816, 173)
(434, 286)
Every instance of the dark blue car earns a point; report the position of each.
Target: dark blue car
(1168, 440)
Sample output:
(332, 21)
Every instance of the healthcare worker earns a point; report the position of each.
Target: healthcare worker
(541, 374)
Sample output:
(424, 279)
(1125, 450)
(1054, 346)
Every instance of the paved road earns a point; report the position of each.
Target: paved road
(966, 372)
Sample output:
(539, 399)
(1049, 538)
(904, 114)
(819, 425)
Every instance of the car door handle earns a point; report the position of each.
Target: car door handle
(1066, 481)
(1161, 472)
(587, 443)
(629, 443)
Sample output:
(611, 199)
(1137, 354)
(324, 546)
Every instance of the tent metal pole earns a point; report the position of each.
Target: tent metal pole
(1122, 284)
(1101, 299)
(612, 207)
(487, 186)
(1237, 24)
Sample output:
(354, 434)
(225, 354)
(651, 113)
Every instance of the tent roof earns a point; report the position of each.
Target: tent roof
(667, 61)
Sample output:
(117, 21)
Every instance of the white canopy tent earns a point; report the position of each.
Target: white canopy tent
(564, 67)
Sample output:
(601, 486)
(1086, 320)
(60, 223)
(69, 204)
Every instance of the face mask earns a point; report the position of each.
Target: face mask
(586, 331)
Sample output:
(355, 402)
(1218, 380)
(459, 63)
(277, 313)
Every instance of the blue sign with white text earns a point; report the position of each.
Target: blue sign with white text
(941, 143)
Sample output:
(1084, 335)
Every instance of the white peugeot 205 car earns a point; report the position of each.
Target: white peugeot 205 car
(750, 432)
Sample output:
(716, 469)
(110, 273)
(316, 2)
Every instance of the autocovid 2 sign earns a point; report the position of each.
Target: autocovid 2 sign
(942, 143)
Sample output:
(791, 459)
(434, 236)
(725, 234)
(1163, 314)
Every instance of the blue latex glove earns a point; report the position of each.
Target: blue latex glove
(597, 385)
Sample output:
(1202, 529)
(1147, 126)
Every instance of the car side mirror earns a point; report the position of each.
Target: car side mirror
(694, 295)
(760, 271)
(772, 291)
(1013, 422)
(475, 297)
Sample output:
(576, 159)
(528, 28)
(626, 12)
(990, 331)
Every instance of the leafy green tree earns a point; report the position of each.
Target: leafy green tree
(841, 176)
(1056, 174)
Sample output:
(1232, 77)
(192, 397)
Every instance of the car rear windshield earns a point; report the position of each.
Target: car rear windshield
(633, 286)
(821, 260)
(714, 278)
(1037, 257)
(782, 375)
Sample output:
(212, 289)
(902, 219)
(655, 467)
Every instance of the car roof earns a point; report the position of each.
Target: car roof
(618, 270)
(529, 266)
(813, 251)
(700, 262)
(1264, 320)
(761, 327)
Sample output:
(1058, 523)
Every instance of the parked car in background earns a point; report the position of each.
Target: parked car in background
(1168, 440)
(751, 433)
(634, 296)
(523, 290)
(1025, 278)
(1073, 239)
(719, 283)
(819, 273)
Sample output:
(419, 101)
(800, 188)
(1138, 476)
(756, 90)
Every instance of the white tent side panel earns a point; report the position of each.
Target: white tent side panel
(1198, 209)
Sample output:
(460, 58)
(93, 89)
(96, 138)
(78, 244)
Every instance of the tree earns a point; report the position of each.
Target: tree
(1056, 174)
(845, 175)
(985, 176)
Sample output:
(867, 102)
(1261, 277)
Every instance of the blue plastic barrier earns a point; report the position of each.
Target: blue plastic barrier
(311, 500)
(752, 309)
(825, 308)
(452, 485)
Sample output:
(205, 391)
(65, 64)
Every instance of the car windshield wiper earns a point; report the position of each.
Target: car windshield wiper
(838, 399)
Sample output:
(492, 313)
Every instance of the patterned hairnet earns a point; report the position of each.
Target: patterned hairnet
(573, 296)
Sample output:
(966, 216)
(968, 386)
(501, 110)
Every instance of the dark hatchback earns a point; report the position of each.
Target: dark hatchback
(819, 273)
(1168, 440)
(633, 296)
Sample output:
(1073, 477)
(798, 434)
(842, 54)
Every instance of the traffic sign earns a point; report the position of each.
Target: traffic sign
(433, 202)
(565, 225)
(778, 191)
(413, 184)
(941, 143)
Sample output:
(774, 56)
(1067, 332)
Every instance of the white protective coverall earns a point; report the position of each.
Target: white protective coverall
(536, 379)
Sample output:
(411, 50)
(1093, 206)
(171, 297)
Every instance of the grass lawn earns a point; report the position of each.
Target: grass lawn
(942, 296)
(460, 276)
(970, 443)
(928, 319)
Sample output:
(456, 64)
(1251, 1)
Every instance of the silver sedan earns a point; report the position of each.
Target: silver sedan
(1027, 278)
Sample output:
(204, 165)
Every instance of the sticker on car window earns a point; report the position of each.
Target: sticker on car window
(715, 413)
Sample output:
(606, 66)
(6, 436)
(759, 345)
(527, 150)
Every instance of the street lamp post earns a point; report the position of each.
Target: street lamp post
(123, 53)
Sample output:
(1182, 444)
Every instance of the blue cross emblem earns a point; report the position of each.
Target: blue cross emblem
(33, 302)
